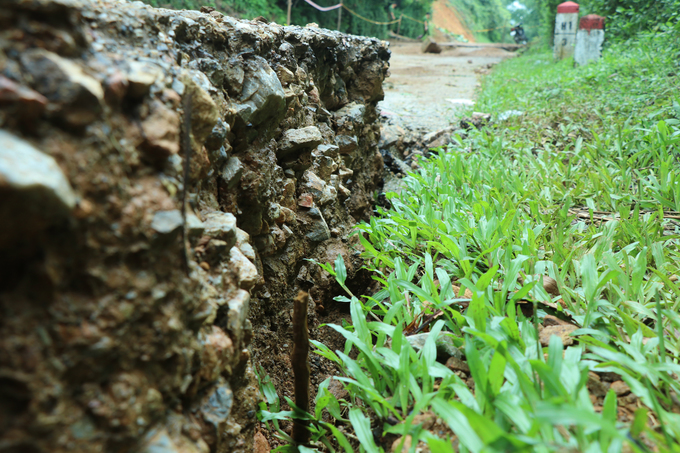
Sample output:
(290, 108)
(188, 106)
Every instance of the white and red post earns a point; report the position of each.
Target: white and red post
(589, 39)
(566, 23)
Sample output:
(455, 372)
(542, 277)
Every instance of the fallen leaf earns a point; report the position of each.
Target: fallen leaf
(405, 447)
(561, 331)
(466, 295)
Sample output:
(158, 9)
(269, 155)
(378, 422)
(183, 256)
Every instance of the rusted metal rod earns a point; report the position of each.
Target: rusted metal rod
(300, 362)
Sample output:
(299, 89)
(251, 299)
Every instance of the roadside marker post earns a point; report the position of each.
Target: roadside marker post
(565, 30)
(589, 39)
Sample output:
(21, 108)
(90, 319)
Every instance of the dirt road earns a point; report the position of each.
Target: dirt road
(429, 91)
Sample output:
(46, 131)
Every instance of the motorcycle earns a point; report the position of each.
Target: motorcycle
(517, 32)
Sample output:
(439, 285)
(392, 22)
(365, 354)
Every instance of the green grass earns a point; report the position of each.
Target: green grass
(493, 212)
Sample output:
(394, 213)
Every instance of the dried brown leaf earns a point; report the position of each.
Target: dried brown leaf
(562, 331)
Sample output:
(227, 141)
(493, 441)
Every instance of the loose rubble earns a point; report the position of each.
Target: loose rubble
(402, 146)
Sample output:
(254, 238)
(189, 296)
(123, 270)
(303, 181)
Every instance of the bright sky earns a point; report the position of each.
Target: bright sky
(514, 6)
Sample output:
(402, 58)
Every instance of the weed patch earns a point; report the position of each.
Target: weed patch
(560, 221)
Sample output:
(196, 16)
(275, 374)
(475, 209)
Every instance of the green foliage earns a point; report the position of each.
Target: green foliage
(491, 16)
(546, 11)
(302, 13)
(272, 10)
(630, 17)
(489, 19)
(376, 11)
(491, 211)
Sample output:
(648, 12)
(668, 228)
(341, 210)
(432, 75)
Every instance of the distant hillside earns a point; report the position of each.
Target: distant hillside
(446, 17)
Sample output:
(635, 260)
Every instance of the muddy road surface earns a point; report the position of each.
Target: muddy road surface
(430, 91)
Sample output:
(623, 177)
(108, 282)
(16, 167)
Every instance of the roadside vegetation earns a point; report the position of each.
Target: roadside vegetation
(561, 218)
(489, 19)
(377, 13)
(247, 9)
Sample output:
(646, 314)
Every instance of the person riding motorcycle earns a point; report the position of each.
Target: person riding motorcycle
(517, 32)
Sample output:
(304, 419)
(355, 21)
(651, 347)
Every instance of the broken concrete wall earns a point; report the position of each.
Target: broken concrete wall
(107, 342)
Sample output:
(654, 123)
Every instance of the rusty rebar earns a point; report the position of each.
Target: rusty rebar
(300, 362)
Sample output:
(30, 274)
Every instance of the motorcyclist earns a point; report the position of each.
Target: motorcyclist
(517, 32)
